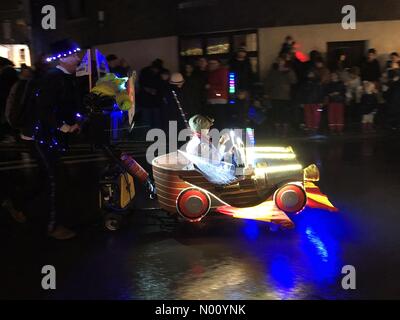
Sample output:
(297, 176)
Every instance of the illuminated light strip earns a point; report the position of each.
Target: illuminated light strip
(273, 169)
(273, 149)
(250, 133)
(274, 156)
(232, 83)
(250, 142)
(64, 54)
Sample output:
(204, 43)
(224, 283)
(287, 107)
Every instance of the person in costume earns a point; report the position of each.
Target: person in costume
(112, 86)
(58, 103)
(200, 143)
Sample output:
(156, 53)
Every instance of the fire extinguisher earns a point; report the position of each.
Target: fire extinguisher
(136, 170)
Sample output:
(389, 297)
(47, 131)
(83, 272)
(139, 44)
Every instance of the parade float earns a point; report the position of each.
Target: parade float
(271, 187)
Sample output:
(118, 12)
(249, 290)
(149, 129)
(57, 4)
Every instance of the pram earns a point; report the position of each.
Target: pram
(116, 183)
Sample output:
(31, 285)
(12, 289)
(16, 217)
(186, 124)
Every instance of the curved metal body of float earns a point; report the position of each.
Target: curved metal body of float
(183, 189)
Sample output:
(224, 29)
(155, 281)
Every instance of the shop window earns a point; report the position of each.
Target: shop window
(221, 45)
(218, 45)
(191, 47)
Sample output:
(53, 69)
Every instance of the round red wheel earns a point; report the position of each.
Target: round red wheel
(193, 204)
(290, 198)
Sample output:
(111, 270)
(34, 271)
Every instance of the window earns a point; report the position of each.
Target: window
(191, 47)
(222, 45)
(249, 41)
(22, 55)
(218, 45)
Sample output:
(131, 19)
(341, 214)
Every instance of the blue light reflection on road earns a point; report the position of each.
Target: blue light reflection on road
(308, 257)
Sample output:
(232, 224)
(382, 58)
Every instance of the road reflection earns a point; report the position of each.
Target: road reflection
(247, 262)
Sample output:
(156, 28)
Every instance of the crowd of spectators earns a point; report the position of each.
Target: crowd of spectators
(299, 93)
(312, 97)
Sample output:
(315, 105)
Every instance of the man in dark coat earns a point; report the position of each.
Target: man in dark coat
(8, 77)
(201, 73)
(370, 70)
(149, 96)
(392, 97)
(279, 83)
(193, 91)
(57, 105)
(240, 65)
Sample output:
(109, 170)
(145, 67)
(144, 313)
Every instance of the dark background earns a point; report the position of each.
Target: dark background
(129, 20)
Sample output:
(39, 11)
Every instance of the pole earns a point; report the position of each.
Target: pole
(180, 109)
(97, 63)
(89, 69)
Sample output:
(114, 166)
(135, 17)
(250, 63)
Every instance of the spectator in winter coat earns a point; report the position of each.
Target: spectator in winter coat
(278, 88)
(353, 94)
(149, 96)
(311, 97)
(392, 97)
(173, 100)
(201, 72)
(217, 91)
(287, 46)
(341, 66)
(193, 91)
(335, 92)
(240, 65)
(394, 58)
(322, 71)
(392, 71)
(310, 65)
(164, 91)
(8, 77)
(353, 86)
(370, 70)
(369, 106)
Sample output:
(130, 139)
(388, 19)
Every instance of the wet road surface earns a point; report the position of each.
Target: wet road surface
(155, 257)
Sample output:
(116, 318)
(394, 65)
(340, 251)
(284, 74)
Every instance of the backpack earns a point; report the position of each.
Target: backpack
(20, 106)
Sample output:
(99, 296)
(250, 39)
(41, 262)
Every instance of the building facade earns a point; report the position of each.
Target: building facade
(141, 31)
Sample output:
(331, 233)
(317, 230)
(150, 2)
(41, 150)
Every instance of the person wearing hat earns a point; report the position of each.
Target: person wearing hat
(241, 66)
(171, 109)
(177, 79)
(200, 144)
(58, 102)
